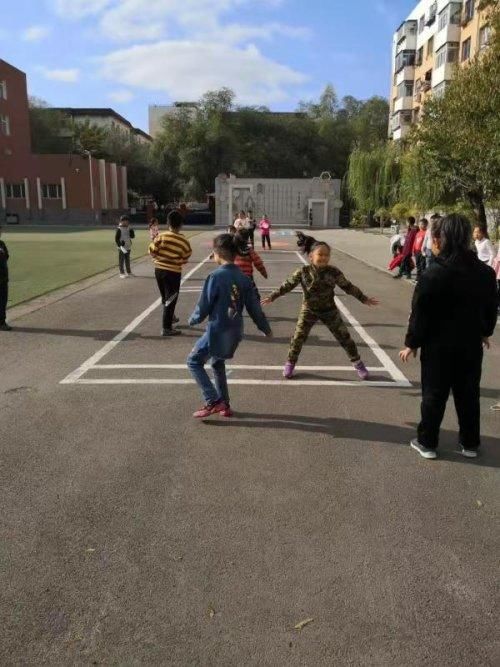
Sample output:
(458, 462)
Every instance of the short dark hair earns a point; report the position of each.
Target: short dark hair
(175, 220)
(455, 235)
(424, 221)
(225, 247)
(436, 216)
(411, 220)
(483, 229)
(124, 218)
(320, 244)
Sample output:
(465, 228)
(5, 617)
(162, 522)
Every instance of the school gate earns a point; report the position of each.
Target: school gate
(289, 202)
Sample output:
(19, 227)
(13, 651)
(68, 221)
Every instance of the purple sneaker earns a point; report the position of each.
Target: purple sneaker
(361, 370)
(288, 370)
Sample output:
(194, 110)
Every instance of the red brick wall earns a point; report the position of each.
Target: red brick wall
(16, 108)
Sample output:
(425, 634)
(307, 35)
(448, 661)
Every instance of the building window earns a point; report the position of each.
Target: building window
(468, 10)
(15, 190)
(438, 91)
(5, 125)
(450, 14)
(3, 90)
(466, 48)
(51, 191)
(421, 24)
(432, 14)
(484, 36)
(430, 47)
(404, 59)
(405, 89)
(420, 56)
(447, 54)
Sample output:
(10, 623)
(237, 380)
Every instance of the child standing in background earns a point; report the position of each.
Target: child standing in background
(123, 239)
(418, 246)
(225, 294)
(318, 281)
(4, 285)
(154, 228)
(265, 232)
(247, 258)
(484, 246)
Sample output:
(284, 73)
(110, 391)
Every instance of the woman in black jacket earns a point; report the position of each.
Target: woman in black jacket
(454, 312)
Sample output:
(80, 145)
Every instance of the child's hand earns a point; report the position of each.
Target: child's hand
(405, 354)
(371, 301)
(486, 343)
(266, 302)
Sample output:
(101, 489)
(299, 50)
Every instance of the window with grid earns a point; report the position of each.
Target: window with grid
(484, 36)
(447, 54)
(3, 90)
(430, 47)
(421, 24)
(466, 49)
(469, 10)
(51, 191)
(5, 125)
(15, 190)
(405, 89)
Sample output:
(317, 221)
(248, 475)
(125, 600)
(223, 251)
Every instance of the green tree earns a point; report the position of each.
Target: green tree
(51, 130)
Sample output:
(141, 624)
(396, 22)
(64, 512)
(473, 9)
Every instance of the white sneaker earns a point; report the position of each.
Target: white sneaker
(469, 453)
(122, 275)
(423, 451)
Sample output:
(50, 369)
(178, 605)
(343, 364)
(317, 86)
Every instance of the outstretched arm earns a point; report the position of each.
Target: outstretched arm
(204, 306)
(258, 263)
(289, 285)
(351, 289)
(256, 313)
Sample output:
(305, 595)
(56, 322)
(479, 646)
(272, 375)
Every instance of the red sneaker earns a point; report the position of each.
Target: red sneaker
(219, 408)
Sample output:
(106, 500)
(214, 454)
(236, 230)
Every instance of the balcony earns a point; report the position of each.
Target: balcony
(405, 74)
(400, 119)
(403, 104)
(400, 132)
(451, 33)
(406, 29)
(404, 59)
(432, 15)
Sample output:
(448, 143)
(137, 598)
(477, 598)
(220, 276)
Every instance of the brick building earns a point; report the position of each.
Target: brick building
(63, 188)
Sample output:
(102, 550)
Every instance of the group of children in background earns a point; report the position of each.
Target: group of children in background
(246, 222)
(413, 248)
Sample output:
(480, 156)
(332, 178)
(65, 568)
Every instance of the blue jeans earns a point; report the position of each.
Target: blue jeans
(196, 364)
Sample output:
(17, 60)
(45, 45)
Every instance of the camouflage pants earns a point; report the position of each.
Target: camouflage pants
(333, 320)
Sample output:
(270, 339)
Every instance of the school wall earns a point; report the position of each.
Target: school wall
(285, 201)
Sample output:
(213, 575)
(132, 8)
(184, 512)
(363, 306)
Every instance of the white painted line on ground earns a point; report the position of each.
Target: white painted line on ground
(250, 382)
(95, 358)
(233, 367)
(382, 356)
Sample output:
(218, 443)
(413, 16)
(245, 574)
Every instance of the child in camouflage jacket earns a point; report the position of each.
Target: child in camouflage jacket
(318, 281)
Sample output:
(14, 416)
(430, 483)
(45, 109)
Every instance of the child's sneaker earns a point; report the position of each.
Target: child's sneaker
(223, 409)
(288, 370)
(361, 370)
(203, 412)
(219, 408)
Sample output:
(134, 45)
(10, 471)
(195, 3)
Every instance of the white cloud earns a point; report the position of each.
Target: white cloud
(121, 96)
(63, 75)
(35, 33)
(77, 9)
(184, 70)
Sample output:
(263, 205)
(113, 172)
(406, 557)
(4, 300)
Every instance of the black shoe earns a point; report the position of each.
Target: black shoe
(5, 327)
(175, 320)
(423, 451)
(166, 333)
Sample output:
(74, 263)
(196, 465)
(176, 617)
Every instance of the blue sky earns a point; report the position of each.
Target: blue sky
(130, 53)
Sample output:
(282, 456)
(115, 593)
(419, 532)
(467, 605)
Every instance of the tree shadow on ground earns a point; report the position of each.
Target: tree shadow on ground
(352, 429)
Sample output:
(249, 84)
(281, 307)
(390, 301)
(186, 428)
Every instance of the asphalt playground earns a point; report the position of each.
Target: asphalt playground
(304, 531)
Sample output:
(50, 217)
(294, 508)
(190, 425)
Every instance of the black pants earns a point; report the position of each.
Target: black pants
(456, 369)
(405, 267)
(169, 284)
(421, 263)
(124, 261)
(4, 296)
(251, 237)
(266, 237)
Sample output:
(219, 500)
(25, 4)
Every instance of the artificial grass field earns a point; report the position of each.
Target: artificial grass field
(42, 260)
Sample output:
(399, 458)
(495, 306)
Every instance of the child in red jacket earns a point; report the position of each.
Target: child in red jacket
(247, 258)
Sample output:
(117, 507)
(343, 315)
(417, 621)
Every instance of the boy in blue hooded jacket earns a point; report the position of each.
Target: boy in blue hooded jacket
(225, 293)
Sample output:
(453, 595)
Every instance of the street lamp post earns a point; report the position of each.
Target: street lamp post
(91, 179)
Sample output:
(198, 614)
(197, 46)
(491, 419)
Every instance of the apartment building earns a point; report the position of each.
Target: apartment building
(63, 188)
(427, 47)
(106, 118)
(157, 113)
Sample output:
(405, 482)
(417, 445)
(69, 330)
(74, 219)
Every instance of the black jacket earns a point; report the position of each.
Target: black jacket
(4, 269)
(454, 304)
